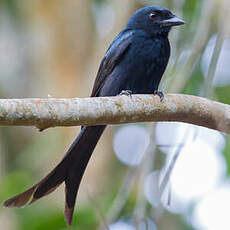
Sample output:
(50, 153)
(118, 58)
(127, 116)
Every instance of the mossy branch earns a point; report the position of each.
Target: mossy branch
(52, 112)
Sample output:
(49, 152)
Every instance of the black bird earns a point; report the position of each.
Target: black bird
(133, 64)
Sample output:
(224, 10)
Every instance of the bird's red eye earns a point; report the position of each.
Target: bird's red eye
(153, 16)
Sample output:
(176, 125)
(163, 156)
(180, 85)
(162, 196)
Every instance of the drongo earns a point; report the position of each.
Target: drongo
(133, 64)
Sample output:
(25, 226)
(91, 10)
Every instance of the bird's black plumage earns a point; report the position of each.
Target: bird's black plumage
(135, 61)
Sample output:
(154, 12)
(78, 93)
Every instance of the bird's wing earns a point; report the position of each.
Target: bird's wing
(112, 57)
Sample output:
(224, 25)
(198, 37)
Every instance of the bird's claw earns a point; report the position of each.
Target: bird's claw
(126, 93)
(160, 94)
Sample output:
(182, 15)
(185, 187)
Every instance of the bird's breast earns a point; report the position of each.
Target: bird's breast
(146, 63)
(140, 69)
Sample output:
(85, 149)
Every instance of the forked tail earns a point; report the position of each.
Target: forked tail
(70, 170)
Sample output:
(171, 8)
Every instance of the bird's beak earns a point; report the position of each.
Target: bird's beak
(174, 21)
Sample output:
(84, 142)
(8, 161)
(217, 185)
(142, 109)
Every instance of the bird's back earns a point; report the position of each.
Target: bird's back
(141, 68)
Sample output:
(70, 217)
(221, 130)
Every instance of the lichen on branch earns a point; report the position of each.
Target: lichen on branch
(53, 112)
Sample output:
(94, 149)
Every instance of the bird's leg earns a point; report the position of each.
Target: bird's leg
(126, 93)
(159, 93)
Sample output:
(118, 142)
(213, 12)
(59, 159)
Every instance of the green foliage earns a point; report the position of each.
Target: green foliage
(13, 183)
(99, 1)
(86, 219)
(226, 154)
(13, 8)
(194, 83)
(34, 218)
(190, 9)
(222, 94)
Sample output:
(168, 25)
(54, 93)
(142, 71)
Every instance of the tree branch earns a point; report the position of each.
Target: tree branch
(45, 113)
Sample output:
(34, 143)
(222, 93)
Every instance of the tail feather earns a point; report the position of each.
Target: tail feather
(51, 181)
(20, 199)
(70, 170)
(68, 213)
(72, 183)
(75, 173)
(70, 199)
(58, 174)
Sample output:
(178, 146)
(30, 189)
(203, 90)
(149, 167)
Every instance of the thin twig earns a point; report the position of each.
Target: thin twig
(98, 211)
(121, 197)
(166, 178)
(201, 32)
(145, 168)
(208, 88)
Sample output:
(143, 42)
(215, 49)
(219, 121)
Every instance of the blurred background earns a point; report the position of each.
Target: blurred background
(142, 176)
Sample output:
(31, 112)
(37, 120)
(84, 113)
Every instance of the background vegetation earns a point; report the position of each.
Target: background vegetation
(135, 179)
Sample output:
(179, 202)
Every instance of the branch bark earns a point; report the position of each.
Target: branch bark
(52, 112)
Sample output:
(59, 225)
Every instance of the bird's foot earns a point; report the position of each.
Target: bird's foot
(159, 93)
(126, 93)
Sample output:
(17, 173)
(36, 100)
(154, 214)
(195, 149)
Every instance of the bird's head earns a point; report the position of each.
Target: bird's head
(155, 20)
